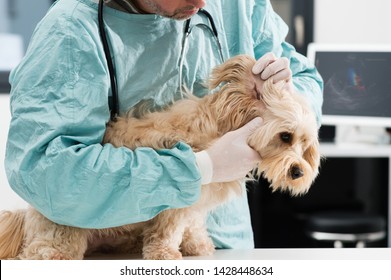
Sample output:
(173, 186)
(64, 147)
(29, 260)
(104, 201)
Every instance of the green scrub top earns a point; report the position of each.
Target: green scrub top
(59, 106)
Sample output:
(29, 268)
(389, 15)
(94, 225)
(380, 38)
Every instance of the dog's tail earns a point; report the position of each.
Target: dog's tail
(11, 233)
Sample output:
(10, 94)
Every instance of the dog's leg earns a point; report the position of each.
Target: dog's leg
(49, 241)
(196, 241)
(132, 243)
(164, 235)
(121, 240)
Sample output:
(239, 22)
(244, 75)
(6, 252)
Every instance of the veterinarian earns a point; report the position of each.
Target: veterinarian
(59, 105)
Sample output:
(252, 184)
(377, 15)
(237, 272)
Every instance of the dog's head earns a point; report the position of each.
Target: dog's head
(287, 141)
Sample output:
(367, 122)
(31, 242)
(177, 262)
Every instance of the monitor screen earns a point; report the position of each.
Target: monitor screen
(357, 83)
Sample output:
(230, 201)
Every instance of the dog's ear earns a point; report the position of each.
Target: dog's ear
(312, 156)
(280, 102)
(235, 70)
(272, 93)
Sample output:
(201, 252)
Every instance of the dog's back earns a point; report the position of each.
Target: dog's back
(11, 233)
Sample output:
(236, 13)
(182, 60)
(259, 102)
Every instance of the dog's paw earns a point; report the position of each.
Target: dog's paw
(58, 256)
(44, 253)
(161, 254)
(204, 248)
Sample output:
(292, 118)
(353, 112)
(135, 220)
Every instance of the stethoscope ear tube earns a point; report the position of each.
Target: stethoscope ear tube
(114, 92)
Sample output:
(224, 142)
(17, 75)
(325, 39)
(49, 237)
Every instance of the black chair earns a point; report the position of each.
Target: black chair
(343, 227)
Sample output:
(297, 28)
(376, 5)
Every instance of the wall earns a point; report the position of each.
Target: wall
(4, 23)
(353, 21)
(21, 16)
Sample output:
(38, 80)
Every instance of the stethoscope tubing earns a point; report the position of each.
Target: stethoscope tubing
(114, 106)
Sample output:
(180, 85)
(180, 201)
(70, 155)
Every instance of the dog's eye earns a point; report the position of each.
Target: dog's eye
(286, 137)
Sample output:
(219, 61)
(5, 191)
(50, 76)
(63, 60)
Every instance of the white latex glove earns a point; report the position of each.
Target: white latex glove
(278, 68)
(230, 157)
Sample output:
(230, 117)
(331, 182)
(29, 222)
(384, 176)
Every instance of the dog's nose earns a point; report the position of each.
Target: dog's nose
(296, 172)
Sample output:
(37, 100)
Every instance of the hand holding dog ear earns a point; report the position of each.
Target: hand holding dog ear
(230, 157)
(269, 66)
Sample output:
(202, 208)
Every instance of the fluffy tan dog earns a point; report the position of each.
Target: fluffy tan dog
(287, 143)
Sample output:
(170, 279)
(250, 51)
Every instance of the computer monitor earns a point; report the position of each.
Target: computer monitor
(357, 84)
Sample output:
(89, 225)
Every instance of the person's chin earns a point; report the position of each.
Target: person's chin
(185, 14)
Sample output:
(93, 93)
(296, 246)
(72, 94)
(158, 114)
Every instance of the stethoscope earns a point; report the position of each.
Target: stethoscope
(114, 102)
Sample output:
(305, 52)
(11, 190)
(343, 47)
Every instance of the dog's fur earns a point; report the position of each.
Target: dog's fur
(287, 143)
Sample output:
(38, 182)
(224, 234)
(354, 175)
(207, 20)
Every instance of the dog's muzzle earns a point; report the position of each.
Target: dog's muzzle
(296, 172)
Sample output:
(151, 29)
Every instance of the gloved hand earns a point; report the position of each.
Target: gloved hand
(278, 68)
(230, 157)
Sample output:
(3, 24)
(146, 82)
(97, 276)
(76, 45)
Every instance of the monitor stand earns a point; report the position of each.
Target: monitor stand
(355, 134)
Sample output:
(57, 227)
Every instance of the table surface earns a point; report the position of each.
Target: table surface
(279, 254)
